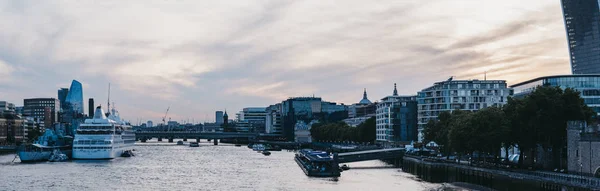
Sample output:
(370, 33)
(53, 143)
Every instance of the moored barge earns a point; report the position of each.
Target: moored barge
(317, 163)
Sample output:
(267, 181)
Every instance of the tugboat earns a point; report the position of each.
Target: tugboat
(317, 163)
(194, 144)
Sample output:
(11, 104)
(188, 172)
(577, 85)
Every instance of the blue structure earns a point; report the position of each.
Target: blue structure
(582, 22)
(75, 97)
(397, 120)
(62, 96)
(308, 109)
(587, 85)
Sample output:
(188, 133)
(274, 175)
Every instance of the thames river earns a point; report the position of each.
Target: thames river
(166, 166)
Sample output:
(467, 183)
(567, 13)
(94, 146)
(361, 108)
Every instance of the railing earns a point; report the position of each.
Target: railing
(584, 181)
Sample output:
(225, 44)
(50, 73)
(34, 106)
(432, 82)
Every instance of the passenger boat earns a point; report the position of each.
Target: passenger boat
(258, 147)
(179, 142)
(103, 137)
(317, 163)
(44, 147)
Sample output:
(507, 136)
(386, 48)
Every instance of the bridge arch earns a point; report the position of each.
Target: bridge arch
(597, 173)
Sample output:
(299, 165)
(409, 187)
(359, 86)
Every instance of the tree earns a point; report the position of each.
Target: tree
(540, 119)
(489, 129)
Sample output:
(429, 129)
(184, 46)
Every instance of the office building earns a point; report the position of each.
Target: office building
(62, 96)
(302, 131)
(219, 117)
(582, 24)
(450, 95)
(13, 128)
(273, 121)
(36, 107)
(7, 107)
(396, 120)
(74, 99)
(255, 116)
(307, 109)
(587, 85)
(149, 124)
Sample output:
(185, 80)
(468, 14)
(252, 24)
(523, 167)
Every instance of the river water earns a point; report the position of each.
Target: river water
(166, 166)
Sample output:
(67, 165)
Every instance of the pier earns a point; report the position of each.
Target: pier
(380, 154)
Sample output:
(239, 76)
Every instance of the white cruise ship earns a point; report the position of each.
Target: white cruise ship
(103, 137)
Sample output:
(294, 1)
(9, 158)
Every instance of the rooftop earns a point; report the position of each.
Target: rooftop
(554, 76)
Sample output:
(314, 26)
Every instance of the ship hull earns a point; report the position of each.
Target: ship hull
(99, 154)
(39, 156)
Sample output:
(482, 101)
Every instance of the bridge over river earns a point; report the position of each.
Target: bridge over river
(143, 136)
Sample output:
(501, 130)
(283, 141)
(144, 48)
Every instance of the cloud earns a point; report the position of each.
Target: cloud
(6, 71)
(199, 56)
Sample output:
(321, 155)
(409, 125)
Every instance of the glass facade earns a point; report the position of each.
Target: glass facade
(75, 97)
(582, 23)
(62, 96)
(587, 85)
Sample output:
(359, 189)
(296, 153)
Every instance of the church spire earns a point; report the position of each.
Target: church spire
(365, 94)
(395, 90)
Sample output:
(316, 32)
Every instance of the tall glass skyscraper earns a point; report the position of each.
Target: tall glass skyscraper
(62, 96)
(75, 97)
(582, 22)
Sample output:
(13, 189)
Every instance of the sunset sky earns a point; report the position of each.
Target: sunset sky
(199, 56)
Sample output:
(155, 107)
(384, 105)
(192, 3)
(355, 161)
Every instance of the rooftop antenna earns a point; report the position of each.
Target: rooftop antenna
(484, 75)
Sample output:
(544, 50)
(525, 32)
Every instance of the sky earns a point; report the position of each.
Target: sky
(199, 56)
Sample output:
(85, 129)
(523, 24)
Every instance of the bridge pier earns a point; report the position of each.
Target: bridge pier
(184, 140)
(215, 142)
(197, 140)
(171, 140)
(160, 139)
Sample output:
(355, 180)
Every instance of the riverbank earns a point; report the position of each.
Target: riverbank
(440, 172)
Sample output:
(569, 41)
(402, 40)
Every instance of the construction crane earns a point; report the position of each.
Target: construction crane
(165, 118)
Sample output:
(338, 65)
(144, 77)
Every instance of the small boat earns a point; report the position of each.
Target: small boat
(345, 167)
(194, 144)
(238, 145)
(258, 147)
(58, 156)
(266, 153)
(127, 153)
(179, 142)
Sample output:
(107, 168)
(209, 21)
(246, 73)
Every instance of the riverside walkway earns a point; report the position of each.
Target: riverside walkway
(452, 172)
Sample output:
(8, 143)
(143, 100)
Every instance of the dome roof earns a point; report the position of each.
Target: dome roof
(364, 99)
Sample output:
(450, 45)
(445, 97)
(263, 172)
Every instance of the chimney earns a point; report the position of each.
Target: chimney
(91, 108)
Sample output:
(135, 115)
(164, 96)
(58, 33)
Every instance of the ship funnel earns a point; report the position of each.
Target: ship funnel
(99, 114)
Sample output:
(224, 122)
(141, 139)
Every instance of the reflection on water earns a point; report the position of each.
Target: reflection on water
(225, 167)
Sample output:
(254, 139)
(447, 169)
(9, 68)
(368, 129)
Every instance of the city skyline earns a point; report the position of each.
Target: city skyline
(199, 57)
